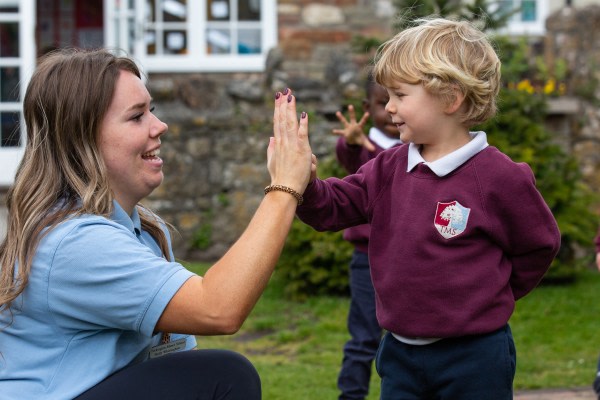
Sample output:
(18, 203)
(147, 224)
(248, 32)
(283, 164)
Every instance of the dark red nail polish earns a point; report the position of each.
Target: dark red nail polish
(303, 115)
(286, 91)
(277, 95)
(290, 98)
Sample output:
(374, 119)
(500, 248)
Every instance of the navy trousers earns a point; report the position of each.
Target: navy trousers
(467, 368)
(365, 333)
(185, 375)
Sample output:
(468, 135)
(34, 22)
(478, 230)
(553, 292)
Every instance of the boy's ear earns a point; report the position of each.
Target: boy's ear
(455, 101)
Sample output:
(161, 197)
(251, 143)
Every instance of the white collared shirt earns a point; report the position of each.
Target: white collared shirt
(449, 162)
(381, 139)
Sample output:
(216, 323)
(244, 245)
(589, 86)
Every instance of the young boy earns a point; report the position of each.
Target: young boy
(459, 232)
(353, 149)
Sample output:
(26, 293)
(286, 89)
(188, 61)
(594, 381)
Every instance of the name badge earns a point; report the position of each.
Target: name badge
(166, 348)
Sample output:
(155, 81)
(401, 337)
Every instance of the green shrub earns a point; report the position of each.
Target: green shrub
(518, 131)
(315, 263)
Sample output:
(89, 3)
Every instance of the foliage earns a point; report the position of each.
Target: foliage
(315, 263)
(519, 132)
(484, 13)
(202, 237)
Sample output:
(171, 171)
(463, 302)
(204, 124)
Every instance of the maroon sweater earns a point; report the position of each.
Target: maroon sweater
(352, 157)
(449, 255)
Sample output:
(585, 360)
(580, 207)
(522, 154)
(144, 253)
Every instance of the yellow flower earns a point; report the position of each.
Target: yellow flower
(525, 86)
(550, 86)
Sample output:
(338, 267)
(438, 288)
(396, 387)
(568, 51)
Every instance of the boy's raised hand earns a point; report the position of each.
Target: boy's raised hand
(353, 131)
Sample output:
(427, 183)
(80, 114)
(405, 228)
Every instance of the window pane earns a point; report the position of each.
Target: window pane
(9, 129)
(150, 39)
(217, 10)
(9, 39)
(166, 32)
(249, 41)
(249, 10)
(528, 12)
(9, 84)
(218, 41)
(150, 8)
(9, 6)
(174, 10)
(175, 42)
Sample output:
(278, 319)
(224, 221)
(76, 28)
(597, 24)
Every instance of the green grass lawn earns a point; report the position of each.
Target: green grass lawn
(297, 347)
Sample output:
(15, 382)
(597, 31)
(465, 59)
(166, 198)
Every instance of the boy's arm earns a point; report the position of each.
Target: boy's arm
(351, 156)
(530, 232)
(334, 204)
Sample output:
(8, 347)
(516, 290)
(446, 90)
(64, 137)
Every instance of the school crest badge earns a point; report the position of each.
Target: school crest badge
(451, 219)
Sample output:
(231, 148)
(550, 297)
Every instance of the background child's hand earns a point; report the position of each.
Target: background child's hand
(353, 131)
(598, 261)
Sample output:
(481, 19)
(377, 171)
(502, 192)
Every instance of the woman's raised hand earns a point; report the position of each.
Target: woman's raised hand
(289, 157)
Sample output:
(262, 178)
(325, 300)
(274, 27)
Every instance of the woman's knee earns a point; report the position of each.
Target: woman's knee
(236, 372)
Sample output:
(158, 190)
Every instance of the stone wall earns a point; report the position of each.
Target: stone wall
(219, 124)
(573, 35)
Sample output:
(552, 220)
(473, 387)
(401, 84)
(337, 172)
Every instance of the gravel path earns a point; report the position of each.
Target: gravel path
(557, 394)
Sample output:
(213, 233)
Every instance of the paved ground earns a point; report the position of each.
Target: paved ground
(558, 394)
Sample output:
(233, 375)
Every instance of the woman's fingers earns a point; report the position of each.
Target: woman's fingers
(289, 152)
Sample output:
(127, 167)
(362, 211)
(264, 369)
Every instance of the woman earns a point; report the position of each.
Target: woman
(93, 305)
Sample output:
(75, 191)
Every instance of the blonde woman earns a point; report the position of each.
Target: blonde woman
(93, 304)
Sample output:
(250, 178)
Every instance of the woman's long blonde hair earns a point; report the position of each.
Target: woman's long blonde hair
(62, 173)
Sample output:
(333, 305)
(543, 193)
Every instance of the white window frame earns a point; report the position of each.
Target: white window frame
(196, 59)
(10, 157)
(516, 26)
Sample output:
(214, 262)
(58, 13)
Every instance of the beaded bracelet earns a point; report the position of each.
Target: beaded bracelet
(286, 189)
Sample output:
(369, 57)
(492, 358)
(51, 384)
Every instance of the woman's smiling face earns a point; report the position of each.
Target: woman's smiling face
(130, 141)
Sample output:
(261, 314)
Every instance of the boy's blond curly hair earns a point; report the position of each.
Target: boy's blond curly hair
(445, 56)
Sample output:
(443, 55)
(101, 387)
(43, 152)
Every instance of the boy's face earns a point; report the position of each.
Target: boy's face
(419, 116)
(375, 105)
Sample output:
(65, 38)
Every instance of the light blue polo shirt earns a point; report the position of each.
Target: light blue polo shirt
(96, 290)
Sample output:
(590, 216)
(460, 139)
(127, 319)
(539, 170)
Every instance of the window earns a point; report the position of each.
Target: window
(17, 59)
(194, 35)
(530, 18)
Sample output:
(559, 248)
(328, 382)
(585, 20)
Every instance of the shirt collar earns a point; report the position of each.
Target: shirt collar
(132, 223)
(449, 162)
(380, 139)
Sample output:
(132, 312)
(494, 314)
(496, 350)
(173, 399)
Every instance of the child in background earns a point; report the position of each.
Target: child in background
(353, 149)
(459, 231)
